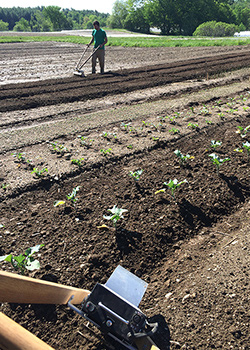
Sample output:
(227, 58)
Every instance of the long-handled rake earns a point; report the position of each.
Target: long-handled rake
(79, 65)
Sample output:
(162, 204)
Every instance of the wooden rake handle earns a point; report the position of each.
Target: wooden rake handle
(15, 337)
(25, 290)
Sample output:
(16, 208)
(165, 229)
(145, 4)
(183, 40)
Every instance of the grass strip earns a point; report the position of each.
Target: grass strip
(140, 41)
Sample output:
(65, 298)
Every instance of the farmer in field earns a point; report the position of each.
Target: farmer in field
(99, 37)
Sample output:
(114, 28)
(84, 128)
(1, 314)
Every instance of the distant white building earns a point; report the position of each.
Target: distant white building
(240, 34)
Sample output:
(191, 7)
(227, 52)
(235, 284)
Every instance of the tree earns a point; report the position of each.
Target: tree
(57, 18)
(119, 14)
(4, 26)
(22, 26)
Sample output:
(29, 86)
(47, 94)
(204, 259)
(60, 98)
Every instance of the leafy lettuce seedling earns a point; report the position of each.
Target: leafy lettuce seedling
(172, 185)
(24, 261)
(214, 144)
(38, 172)
(116, 214)
(217, 161)
(243, 131)
(183, 158)
(136, 174)
(246, 145)
(72, 196)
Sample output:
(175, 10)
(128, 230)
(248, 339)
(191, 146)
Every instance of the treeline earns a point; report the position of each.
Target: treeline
(170, 17)
(178, 17)
(49, 18)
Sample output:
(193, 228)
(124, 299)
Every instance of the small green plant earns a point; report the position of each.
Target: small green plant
(58, 148)
(193, 125)
(116, 214)
(130, 146)
(205, 110)
(172, 185)
(245, 108)
(125, 126)
(246, 145)
(217, 161)
(221, 115)
(172, 119)
(39, 173)
(155, 138)
(106, 151)
(105, 134)
(208, 122)
(183, 158)
(72, 196)
(243, 131)
(214, 144)
(86, 142)
(78, 162)
(174, 131)
(20, 158)
(24, 261)
(136, 174)
(4, 186)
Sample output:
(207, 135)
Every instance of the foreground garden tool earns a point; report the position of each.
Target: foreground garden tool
(112, 308)
(79, 65)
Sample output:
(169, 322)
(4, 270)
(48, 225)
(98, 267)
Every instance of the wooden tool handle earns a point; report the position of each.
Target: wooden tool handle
(15, 337)
(25, 290)
(145, 343)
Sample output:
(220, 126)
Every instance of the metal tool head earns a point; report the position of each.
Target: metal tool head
(127, 285)
(79, 73)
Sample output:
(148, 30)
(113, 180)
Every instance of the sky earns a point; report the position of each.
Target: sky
(99, 5)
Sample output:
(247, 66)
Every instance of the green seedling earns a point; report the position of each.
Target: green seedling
(217, 161)
(174, 131)
(243, 131)
(221, 115)
(86, 142)
(231, 110)
(39, 173)
(155, 138)
(214, 144)
(208, 122)
(125, 126)
(59, 149)
(193, 126)
(78, 162)
(245, 108)
(4, 186)
(192, 109)
(106, 151)
(246, 145)
(145, 123)
(204, 110)
(136, 174)
(183, 158)
(130, 146)
(72, 196)
(2, 226)
(172, 119)
(116, 214)
(24, 261)
(172, 185)
(162, 119)
(20, 157)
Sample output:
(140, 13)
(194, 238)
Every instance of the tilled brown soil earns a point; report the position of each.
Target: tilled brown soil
(193, 249)
(67, 90)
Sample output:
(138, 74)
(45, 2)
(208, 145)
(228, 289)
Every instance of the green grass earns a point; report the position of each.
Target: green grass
(154, 41)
